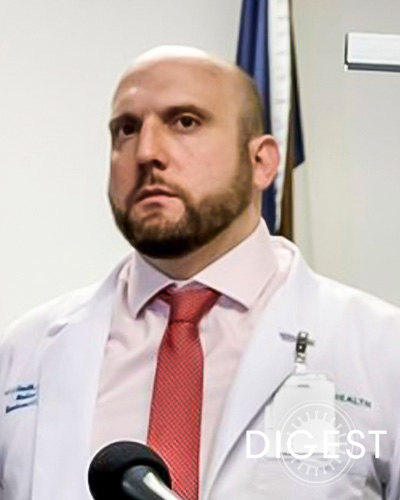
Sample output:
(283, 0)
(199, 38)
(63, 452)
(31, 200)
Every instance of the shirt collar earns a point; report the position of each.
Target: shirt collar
(240, 274)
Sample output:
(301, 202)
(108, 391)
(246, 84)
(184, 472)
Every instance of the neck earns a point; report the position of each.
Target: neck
(185, 267)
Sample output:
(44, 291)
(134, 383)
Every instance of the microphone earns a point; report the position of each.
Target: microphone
(126, 470)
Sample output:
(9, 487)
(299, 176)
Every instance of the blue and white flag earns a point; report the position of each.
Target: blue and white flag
(266, 52)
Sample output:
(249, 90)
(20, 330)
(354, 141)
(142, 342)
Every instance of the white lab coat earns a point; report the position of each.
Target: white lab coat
(53, 358)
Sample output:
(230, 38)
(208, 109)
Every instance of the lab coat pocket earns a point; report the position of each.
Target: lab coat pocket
(17, 438)
(19, 407)
(311, 479)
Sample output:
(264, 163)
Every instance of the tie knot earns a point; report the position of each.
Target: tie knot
(189, 305)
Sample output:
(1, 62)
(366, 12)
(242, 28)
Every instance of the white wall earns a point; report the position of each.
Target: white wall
(352, 122)
(59, 61)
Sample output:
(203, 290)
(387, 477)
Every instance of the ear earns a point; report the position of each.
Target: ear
(264, 156)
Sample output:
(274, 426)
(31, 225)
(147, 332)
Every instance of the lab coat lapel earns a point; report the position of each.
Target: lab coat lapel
(265, 365)
(70, 372)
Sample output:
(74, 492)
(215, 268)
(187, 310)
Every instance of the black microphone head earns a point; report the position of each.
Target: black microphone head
(111, 462)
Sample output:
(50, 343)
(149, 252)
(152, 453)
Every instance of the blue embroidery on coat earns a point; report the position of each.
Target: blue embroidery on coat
(21, 396)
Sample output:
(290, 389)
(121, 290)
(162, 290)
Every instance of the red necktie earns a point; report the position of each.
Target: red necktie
(175, 418)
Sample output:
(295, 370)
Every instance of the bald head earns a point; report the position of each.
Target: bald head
(250, 109)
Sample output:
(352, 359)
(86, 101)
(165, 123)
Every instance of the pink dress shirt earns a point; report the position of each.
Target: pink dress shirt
(247, 277)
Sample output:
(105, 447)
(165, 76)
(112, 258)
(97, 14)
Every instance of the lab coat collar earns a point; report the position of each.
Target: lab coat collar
(255, 383)
(254, 256)
(63, 443)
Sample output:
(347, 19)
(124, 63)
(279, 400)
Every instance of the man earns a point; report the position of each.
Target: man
(188, 344)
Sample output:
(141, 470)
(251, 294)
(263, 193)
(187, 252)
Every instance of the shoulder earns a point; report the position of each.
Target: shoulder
(334, 304)
(34, 324)
(340, 296)
(356, 322)
(23, 343)
(347, 300)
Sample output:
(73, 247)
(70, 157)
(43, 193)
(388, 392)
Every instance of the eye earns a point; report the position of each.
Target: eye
(187, 122)
(128, 128)
(124, 127)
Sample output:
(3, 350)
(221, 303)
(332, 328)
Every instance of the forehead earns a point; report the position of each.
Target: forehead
(173, 82)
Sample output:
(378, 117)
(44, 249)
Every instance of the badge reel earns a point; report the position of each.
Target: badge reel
(294, 408)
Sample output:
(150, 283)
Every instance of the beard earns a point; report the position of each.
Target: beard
(201, 222)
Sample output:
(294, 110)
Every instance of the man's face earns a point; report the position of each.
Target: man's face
(178, 176)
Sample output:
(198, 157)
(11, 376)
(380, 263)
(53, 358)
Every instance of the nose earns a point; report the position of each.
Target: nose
(151, 150)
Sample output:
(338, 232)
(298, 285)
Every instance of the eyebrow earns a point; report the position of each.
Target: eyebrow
(180, 109)
(168, 114)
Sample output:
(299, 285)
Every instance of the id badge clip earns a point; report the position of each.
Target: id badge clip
(303, 340)
(296, 396)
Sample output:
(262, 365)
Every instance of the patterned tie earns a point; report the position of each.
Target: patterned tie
(175, 417)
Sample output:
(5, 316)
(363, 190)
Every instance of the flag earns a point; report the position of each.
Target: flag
(266, 52)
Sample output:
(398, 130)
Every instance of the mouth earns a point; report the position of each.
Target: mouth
(153, 191)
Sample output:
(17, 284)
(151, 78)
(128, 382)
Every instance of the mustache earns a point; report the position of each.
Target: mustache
(155, 180)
